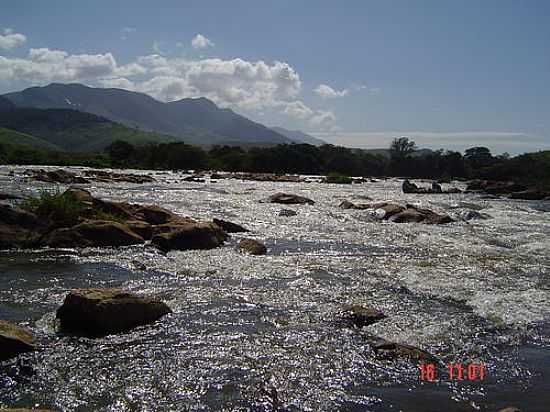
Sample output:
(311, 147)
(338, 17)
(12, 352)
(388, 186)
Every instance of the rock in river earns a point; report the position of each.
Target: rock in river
(230, 227)
(14, 340)
(288, 199)
(191, 236)
(360, 316)
(92, 233)
(392, 350)
(252, 247)
(100, 312)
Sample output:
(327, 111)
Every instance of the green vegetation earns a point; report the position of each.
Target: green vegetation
(8, 136)
(338, 178)
(65, 209)
(337, 162)
(59, 206)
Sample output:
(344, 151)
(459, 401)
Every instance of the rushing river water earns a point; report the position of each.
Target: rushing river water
(255, 333)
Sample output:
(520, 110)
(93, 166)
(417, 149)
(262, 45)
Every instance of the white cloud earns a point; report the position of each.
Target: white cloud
(327, 92)
(254, 86)
(201, 42)
(9, 39)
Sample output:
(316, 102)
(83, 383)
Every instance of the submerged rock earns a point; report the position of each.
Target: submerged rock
(100, 312)
(14, 340)
(361, 316)
(393, 350)
(287, 213)
(346, 204)
(229, 227)
(288, 199)
(93, 233)
(252, 247)
(188, 236)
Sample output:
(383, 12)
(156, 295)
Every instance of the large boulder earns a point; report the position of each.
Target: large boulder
(188, 236)
(100, 312)
(252, 247)
(229, 227)
(387, 210)
(93, 233)
(413, 214)
(19, 228)
(288, 199)
(409, 187)
(14, 340)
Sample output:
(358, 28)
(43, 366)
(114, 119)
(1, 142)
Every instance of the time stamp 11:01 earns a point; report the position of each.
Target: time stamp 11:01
(455, 371)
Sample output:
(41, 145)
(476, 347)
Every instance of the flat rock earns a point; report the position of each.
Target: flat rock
(230, 227)
(14, 340)
(361, 316)
(287, 213)
(288, 199)
(93, 233)
(252, 247)
(393, 350)
(19, 228)
(100, 312)
(188, 236)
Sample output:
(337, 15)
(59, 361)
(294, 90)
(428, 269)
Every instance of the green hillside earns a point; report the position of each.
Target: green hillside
(71, 130)
(12, 137)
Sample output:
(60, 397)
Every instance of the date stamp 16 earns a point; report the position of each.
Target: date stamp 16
(455, 371)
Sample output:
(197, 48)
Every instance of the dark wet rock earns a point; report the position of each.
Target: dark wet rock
(530, 195)
(388, 209)
(143, 229)
(409, 187)
(287, 213)
(510, 409)
(94, 233)
(495, 187)
(56, 176)
(392, 350)
(99, 312)
(413, 214)
(474, 215)
(154, 215)
(14, 340)
(252, 247)
(360, 316)
(26, 410)
(19, 228)
(288, 199)
(346, 204)
(230, 227)
(186, 236)
(79, 195)
(105, 176)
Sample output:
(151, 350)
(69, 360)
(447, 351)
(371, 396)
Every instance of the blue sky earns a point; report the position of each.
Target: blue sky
(446, 73)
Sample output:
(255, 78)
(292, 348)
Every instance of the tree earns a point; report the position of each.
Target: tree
(478, 156)
(120, 150)
(402, 148)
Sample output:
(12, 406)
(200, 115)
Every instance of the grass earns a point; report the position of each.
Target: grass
(64, 209)
(339, 179)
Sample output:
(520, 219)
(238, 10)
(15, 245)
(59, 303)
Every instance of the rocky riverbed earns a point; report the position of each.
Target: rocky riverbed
(320, 322)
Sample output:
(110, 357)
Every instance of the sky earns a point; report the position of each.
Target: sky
(447, 74)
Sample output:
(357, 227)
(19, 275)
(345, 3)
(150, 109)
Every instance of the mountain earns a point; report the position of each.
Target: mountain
(195, 121)
(299, 137)
(5, 104)
(69, 130)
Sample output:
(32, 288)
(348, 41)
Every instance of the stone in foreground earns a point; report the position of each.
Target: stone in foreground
(230, 227)
(93, 233)
(252, 247)
(361, 316)
(100, 312)
(191, 236)
(14, 340)
(288, 199)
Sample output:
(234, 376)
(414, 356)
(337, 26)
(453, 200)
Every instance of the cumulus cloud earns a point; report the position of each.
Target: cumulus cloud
(9, 39)
(327, 92)
(240, 84)
(201, 42)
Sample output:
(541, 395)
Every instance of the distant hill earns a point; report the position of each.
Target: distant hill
(195, 121)
(69, 130)
(299, 137)
(5, 104)
(12, 137)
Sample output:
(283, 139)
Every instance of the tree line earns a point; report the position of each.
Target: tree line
(401, 159)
